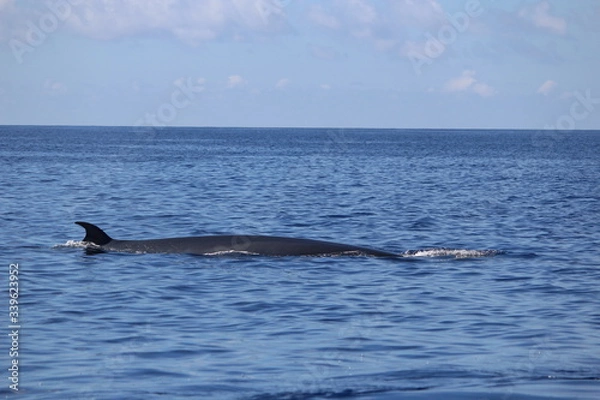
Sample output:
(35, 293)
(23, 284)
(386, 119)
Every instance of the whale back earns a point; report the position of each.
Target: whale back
(209, 245)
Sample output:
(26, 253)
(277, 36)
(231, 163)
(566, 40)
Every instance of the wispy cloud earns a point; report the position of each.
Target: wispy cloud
(355, 18)
(282, 83)
(546, 87)
(426, 27)
(235, 81)
(54, 87)
(384, 24)
(467, 82)
(461, 83)
(190, 21)
(483, 89)
(539, 15)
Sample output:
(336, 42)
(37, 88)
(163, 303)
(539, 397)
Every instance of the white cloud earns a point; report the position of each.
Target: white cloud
(54, 87)
(350, 14)
(235, 81)
(546, 87)
(467, 82)
(325, 86)
(539, 15)
(387, 25)
(190, 21)
(282, 83)
(483, 89)
(461, 83)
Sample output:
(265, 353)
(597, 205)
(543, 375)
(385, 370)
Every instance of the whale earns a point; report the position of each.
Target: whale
(97, 241)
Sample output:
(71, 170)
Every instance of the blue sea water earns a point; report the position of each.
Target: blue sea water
(496, 295)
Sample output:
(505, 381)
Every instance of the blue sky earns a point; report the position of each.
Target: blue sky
(307, 63)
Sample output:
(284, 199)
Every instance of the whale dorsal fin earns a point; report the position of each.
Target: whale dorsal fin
(94, 234)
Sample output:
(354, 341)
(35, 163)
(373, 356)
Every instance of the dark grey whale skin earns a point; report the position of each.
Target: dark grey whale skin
(207, 245)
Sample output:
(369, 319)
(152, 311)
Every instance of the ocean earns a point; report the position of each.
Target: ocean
(495, 295)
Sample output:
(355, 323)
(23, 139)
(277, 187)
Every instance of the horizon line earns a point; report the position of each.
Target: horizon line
(299, 127)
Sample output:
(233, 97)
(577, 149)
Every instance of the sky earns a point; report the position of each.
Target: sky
(508, 64)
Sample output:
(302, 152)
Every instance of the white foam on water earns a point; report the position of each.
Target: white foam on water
(79, 244)
(455, 253)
